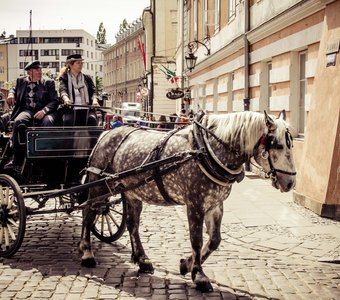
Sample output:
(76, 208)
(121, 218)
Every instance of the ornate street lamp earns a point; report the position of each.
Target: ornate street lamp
(191, 59)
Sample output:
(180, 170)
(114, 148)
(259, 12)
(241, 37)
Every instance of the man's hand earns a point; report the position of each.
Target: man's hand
(67, 101)
(39, 115)
(95, 102)
(10, 99)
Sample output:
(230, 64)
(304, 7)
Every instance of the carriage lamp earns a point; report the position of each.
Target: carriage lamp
(191, 59)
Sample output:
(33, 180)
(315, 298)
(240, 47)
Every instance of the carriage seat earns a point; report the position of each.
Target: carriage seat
(61, 142)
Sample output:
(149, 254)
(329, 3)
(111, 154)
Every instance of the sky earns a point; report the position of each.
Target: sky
(70, 14)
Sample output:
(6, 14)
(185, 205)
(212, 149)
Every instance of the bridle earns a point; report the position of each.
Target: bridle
(215, 167)
(270, 142)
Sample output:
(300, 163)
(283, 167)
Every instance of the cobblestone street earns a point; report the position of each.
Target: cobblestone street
(271, 249)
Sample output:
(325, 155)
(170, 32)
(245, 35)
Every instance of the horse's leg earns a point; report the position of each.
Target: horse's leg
(195, 218)
(138, 256)
(213, 219)
(87, 259)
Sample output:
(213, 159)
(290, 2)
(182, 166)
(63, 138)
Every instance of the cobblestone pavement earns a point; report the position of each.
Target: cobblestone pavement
(271, 249)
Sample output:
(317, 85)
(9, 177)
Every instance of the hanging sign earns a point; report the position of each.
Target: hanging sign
(174, 94)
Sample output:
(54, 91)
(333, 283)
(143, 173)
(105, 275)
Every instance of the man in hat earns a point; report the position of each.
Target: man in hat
(35, 102)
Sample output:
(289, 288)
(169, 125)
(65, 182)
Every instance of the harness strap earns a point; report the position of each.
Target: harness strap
(209, 163)
(176, 160)
(156, 152)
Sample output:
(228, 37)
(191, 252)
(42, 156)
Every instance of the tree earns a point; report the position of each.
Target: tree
(99, 84)
(101, 34)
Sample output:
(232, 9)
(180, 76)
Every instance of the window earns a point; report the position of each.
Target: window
(217, 15)
(50, 40)
(66, 52)
(302, 93)
(2, 70)
(76, 40)
(27, 40)
(270, 86)
(195, 25)
(29, 53)
(49, 52)
(231, 9)
(205, 19)
(1, 55)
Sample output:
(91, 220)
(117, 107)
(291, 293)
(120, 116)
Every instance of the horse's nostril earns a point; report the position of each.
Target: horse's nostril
(290, 185)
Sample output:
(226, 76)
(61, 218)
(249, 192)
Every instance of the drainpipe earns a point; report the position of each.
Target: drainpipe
(182, 50)
(153, 13)
(246, 100)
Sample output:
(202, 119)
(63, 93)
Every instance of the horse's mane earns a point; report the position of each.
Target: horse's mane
(242, 130)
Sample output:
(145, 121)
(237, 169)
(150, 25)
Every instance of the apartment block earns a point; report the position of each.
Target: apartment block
(52, 47)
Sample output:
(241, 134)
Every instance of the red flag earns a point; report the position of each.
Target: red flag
(142, 51)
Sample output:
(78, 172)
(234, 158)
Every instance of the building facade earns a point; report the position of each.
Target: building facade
(267, 55)
(124, 66)
(161, 31)
(52, 47)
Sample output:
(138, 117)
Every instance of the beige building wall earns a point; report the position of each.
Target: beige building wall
(285, 51)
(161, 41)
(3, 65)
(318, 183)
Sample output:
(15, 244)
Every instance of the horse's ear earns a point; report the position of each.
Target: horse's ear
(270, 123)
(282, 115)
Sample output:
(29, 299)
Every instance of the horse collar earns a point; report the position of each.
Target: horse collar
(210, 165)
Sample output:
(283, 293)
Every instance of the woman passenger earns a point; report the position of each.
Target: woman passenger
(79, 90)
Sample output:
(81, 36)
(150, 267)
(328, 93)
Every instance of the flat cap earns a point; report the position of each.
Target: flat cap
(35, 64)
(73, 57)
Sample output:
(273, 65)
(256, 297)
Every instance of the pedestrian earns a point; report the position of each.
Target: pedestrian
(162, 122)
(77, 91)
(182, 119)
(35, 102)
(172, 118)
(115, 123)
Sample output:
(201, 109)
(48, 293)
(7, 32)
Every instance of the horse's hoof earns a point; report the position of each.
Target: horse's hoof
(88, 262)
(145, 265)
(204, 287)
(183, 266)
(146, 268)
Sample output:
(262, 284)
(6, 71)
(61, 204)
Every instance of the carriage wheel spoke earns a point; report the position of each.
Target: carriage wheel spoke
(117, 212)
(6, 236)
(11, 232)
(13, 223)
(108, 224)
(14, 212)
(1, 234)
(1, 195)
(102, 225)
(113, 219)
(11, 201)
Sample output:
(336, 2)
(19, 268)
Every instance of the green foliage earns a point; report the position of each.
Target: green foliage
(101, 34)
(8, 85)
(99, 84)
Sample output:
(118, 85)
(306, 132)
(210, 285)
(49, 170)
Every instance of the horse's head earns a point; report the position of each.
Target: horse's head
(273, 153)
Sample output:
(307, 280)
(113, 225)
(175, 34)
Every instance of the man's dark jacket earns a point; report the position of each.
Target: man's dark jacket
(46, 94)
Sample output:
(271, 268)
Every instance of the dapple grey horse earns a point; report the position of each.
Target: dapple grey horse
(219, 146)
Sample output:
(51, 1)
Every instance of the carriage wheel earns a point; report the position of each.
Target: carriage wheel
(12, 216)
(110, 223)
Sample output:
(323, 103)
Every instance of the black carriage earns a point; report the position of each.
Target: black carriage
(52, 171)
